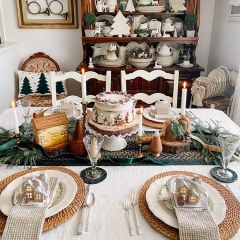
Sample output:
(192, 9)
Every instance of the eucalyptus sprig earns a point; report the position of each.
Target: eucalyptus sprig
(5, 135)
(209, 133)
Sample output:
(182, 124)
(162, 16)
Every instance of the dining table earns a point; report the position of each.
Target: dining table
(108, 217)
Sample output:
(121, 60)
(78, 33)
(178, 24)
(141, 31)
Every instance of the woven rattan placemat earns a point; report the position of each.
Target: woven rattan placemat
(227, 228)
(61, 216)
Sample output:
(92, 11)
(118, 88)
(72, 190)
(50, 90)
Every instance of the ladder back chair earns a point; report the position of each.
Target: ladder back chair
(150, 76)
(78, 77)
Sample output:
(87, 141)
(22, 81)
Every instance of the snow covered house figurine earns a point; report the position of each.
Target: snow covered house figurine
(51, 132)
(30, 194)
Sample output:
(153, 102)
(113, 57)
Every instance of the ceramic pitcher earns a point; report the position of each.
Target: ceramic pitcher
(99, 5)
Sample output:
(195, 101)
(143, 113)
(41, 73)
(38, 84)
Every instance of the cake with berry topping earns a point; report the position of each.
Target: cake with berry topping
(113, 113)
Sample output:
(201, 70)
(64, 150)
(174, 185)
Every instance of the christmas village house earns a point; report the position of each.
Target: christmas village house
(51, 132)
(30, 194)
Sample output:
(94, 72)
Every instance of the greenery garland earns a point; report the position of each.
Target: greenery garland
(209, 133)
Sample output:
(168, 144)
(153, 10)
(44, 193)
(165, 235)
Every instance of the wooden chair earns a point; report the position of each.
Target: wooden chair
(150, 76)
(78, 77)
(40, 62)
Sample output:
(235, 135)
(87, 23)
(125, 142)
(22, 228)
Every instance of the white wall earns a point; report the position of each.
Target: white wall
(205, 31)
(225, 43)
(9, 61)
(64, 45)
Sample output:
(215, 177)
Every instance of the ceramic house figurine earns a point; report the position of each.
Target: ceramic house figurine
(30, 194)
(51, 132)
(182, 187)
(193, 197)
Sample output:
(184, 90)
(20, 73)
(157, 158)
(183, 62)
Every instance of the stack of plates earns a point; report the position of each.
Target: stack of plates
(149, 114)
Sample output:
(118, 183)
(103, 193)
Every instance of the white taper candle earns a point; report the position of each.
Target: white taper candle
(84, 87)
(184, 99)
(16, 126)
(140, 122)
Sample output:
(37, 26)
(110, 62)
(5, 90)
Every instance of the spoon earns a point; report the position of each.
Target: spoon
(90, 202)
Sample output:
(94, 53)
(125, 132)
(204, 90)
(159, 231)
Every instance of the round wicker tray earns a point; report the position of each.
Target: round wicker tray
(152, 124)
(63, 215)
(227, 228)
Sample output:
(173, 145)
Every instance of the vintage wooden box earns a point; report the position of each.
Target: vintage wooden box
(51, 132)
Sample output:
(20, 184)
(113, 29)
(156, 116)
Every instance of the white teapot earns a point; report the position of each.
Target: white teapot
(165, 50)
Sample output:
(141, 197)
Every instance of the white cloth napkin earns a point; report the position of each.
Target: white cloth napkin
(25, 221)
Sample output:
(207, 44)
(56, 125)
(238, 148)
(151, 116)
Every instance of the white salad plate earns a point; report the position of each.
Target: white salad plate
(161, 117)
(64, 196)
(161, 211)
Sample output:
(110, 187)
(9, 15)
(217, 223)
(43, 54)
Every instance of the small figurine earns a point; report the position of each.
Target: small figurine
(193, 197)
(157, 66)
(90, 65)
(155, 3)
(175, 33)
(111, 53)
(98, 32)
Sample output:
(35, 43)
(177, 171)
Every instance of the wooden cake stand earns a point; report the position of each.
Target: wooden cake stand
(113, 141)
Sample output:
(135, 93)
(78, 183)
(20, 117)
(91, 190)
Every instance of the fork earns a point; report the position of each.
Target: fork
(127, 206)
(134, 204)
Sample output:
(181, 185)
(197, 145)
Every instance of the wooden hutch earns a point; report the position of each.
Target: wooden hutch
(140, 85)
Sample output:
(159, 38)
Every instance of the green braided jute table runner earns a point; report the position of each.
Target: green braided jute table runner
(125, 157)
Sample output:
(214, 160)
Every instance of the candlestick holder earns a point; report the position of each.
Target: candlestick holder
(139, 142)
(84, 107)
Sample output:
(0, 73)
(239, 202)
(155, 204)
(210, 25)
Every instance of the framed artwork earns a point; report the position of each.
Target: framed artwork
(47, 13)
(234, 10)
(2, 30)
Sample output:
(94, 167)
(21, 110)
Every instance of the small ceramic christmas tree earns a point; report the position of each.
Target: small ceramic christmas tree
(120, 26)
(130, 6)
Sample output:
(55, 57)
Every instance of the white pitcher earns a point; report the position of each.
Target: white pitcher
(99, 5)
(111, 2)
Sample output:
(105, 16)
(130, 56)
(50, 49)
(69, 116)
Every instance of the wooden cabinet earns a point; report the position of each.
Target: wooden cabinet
(139, 85)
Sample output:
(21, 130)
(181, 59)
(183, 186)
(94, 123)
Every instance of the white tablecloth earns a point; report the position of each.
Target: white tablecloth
(108, 219)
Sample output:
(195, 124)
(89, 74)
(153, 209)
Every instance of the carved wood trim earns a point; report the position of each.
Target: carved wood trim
(39, 55)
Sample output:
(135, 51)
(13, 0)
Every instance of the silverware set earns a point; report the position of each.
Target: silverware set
(130, 206)
(85, 214)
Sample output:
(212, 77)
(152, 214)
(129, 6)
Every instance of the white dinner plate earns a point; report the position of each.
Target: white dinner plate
(147, 115)
(161, 211)
(69, 192)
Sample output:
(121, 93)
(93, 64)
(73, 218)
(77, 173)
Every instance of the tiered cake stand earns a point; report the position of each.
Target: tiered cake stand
(112, 142)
